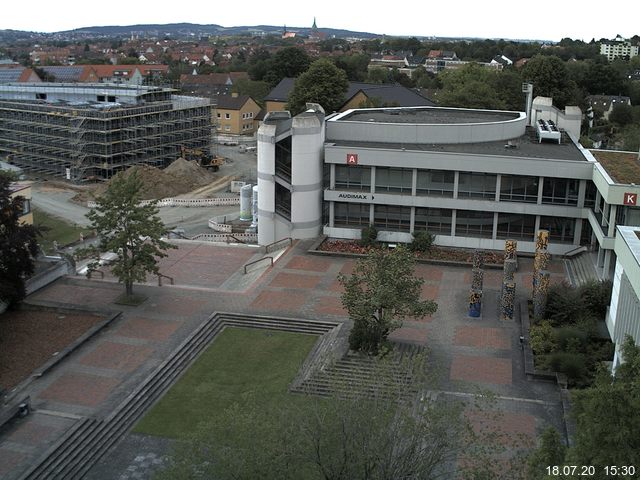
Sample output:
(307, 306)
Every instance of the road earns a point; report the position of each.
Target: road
(57, 201)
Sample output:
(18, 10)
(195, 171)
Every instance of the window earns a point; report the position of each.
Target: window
(111, 98)
(393, 179)
(101, 98)
(516, 226)
(41, 96)
(227, 128)
(518, 188)
(560, 228)
(283, 158)
(218, 115)
(26, 206)
(433, 220)
(590, 195)
(477, 185)
(283, 201)
(435, 182)
(350, 214)
(250, 114)
(227, 116)
(353, 177)
(390, 217)
(560, 191)
(474, 224)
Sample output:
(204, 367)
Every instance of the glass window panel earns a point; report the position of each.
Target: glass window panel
(391, 217)
(471, 223)
(433, 220)
(350, 214)
(560, 228)
(353, 177)
(519, 188)
(435, 182)
(516, 226)
(477, 185)
(393, 179)
(560, 191)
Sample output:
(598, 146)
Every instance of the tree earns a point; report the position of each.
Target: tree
(365, 436)
(622, 114)
(289, 62)
(18, 245)
(550, 78)
(323, 83)
(380, 293)
(607, 420)
(551, 452)
(132, 230)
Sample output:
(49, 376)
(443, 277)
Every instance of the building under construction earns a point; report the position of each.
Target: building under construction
(96, 130)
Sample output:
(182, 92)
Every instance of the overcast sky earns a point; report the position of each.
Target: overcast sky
(542, 19)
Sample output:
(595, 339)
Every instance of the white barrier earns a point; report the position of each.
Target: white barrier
(220, 227)
(186, 202)
(223, 237)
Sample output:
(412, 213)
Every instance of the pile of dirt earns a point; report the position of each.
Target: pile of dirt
(180, 177)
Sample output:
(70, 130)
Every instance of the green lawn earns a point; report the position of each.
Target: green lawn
(56, 229)
(239, 362)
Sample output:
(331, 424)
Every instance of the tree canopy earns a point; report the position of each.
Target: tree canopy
(379, 294)
(129, 228)
(18, 245)
(550, 78)
(323, 83)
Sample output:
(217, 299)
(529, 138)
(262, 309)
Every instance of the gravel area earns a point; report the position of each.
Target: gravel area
(29, 338)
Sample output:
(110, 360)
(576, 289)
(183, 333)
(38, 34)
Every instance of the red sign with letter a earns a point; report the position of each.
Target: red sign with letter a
(630, 198)
(352, 159)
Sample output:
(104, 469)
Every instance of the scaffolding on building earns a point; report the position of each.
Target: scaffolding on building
(88, 140)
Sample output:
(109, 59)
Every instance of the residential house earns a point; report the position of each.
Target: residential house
(500, 61)
(358, 95)
(236, 114)
(606, 103)
(17, 73)
(211, 85)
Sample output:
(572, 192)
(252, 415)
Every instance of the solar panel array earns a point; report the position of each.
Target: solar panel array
(68, 73)
(10, 74)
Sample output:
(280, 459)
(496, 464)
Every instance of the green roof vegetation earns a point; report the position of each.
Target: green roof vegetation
(622, 167)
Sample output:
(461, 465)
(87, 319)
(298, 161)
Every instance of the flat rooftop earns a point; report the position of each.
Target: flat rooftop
(622, 167)
(426, 115)
(523, 147)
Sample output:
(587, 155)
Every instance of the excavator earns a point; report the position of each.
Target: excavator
(204, 159)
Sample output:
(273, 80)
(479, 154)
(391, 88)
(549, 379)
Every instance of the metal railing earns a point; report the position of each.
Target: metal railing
(161, 276)
(270, 248)
(573, 252)
(258, 261)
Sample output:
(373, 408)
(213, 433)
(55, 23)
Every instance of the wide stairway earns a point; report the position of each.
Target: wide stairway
(358, 375)
(89, 439)
(581, 269)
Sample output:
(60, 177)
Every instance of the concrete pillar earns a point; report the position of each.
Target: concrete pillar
(332, 214)
(498, 186)
(612, 220)
(507, 300)
(414, 182)
(577, 231)
(373, 181)
(600, 260)
(412, 220)
(540, 296)
(453, 222)
(606, 264)
(456, 182)
(494, 232)
(582, 190)
(332, 177)
(540, 189)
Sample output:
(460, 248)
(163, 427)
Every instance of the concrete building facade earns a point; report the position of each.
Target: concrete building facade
(623, 316)
(472, 177)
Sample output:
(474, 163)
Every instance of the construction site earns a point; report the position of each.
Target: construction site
(94, 131)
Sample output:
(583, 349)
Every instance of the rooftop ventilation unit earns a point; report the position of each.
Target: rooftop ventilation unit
(547, 130)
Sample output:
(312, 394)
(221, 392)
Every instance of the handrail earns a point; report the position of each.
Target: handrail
(257, 261)
(161, 276)
(570, 253)
(289, 239)
(235, 238)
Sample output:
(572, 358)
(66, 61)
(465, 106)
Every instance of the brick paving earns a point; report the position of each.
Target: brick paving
(509, 428)
(80, 389)
(481, 369)
(147, 328)
(483, 337)
(295, 280)
(96, 378)
(116, 356)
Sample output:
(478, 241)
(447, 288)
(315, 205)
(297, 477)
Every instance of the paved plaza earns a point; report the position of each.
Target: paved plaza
(473, 354)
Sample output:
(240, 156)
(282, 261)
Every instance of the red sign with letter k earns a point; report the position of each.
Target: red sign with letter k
(630, 198)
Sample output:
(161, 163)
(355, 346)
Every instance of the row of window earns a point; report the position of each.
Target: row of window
(512, 188)
(468, 223)
(227, 116)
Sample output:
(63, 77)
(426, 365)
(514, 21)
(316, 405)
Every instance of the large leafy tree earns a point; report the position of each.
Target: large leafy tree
(322, 83)
(18, 245)
(287, 62)
(130, 228)
(550, 78)
(368, 436)
(380, 293)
